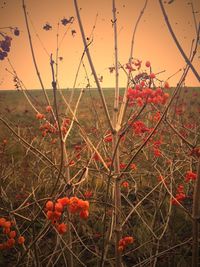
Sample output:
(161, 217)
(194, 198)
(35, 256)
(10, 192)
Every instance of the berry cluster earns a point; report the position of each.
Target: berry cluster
(134, 65)
(156, 148)
(65, 125)
(141, 92)
(180, 195)
(49, 128)
(40, 116)
(80, 206)
(5, 43)
(190, 176)
(139, 127)
(127, 240)
(141, 95)
(5, 47)
(9, 234)
(54, 211)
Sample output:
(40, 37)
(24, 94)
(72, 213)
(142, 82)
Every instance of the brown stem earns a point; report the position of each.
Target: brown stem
(124, 101)
(31, 46)
(92, 66)
(62, 158)
(196, 219)
(117, 188)
(34, 58)
(194, 17)
(116, 100)
(54, 85)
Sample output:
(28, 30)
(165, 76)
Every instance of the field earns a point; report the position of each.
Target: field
(156, 177)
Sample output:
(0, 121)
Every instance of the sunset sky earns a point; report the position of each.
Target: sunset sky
(153, 41)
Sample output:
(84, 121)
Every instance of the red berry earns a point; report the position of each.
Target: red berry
(49, 205)
(84, 214)
(12, 234)
(58, 207)
(147, 64)
(152, 75)
(62, 228)
(21, 240)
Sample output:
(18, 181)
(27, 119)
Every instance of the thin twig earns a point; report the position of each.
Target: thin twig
(92, 67)
(177, 42)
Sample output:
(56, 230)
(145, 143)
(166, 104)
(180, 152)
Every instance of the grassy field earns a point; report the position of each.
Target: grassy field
(14, 106)
(162, 231)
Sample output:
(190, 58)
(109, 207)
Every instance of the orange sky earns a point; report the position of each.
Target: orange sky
(153, 41)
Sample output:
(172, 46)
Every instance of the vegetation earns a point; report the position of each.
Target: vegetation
(101, 177)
